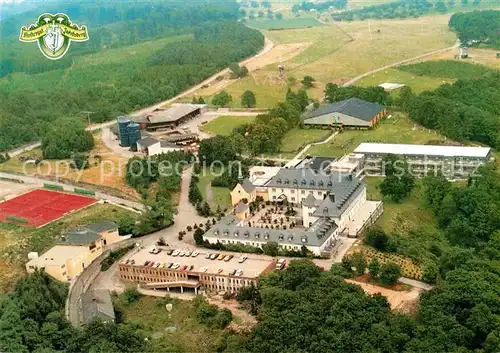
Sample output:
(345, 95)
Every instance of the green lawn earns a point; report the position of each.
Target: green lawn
(175, 331)
(300, 22)
(400, 217)
(398, 129)
(220, 195)
(416, 82)
(297, 139)
(224, 125)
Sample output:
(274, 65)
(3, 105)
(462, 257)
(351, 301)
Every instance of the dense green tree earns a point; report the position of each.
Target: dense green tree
(64, 138)
(218, 149)
(80, 161)
(222, 99)
(377, 238)
(307, 81)
(374, 268)
(271, 248)
(389, 273)
(248, 99)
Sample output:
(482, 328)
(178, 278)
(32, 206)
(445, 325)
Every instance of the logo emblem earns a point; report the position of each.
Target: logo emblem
(54, 34)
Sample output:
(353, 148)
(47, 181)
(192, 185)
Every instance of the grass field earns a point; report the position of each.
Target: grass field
(175, 331)
(300, 22)
(106, 170)
(417, 83)
(16, 242)
(224, 125)
(297, 139)
(219, 196)
(398, 129)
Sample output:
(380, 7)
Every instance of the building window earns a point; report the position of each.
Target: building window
(303, 192)
(293, 198)
(274, 197)
(274, 190)
(293, 191)
(311, 192)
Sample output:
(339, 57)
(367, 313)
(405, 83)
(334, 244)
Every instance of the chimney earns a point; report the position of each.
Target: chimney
(331, 196)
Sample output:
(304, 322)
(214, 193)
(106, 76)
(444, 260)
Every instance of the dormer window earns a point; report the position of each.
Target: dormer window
(287, 181)
(266, 236)
(295, 182)
(216, 232)
(330, 183)
(246, 234)
(304, 239)
(290, 238)
(257, 235)
(281, 237)
(312, 183)
(278, 181)
(325, 210)
(236, 234)
(321, 183)
(226, 232)
(303, 182)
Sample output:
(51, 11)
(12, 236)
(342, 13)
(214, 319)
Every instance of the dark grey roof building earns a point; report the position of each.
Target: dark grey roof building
(97, 304)
(353, 112)
(247, 185)
(104, 226)
(79, 236)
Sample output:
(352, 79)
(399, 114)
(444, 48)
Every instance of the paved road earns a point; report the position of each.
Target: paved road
(68, 187)
(371, 72)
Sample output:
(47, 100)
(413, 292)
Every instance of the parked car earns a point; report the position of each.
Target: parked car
(242, 259)
(146, 263)
(239, 272)
(221, 256)
(203, 269)
(175, 253)
(170, 251)
(214, 256)
(176, 266)
(132, 262)
(190, 268)
(187, 253)
(183, 267)
(228, 258)
(181, 253)
(151, 264)
(219, 270)
(207, 256)
(280, 264)
(232, 272)
(194, 254)
(169, 265)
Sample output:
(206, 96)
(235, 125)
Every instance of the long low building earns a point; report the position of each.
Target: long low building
(172, 117)
(454, 162)
(152, 271)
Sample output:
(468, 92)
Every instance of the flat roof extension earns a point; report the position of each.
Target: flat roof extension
(423, 150)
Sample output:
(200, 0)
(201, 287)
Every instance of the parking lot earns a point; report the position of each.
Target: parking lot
(251, 267)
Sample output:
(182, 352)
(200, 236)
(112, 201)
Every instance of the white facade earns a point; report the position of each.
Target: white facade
(294, 194)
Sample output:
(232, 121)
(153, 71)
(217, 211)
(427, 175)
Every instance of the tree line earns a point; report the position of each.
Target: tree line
(477, 28)
(401, 9)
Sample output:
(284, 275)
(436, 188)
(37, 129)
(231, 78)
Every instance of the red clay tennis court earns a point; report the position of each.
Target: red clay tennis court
(40, 207)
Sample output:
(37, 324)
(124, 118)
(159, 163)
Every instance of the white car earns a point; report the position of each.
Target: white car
(194, 254)
(156, 265)
(242, 259)
(176, 266)
(239, 272)
(187, 253)
(203, 269)
(181, 253)
(175, 253)
(207, 256)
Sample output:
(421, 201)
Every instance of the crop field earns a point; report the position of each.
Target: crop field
(224, 125)
(415, 82)
(398, 129)
(300, 22)
(16, 242)
(174, 331)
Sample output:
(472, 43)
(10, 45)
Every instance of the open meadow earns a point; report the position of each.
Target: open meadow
(397, 129)
(17, 241)
(224, 125)
(217, 197)
(341, 51)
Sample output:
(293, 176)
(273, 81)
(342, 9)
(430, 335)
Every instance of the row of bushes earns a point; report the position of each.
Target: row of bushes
(113, 256)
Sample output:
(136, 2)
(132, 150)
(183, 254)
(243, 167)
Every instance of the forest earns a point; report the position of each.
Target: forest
(467, 110)
(402, 9)
(477, 28)
(109, 89)
(447, 69)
